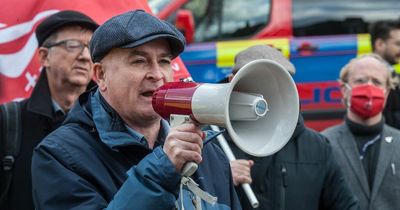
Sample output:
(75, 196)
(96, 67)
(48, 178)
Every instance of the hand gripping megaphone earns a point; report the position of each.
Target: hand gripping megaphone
(259, 107)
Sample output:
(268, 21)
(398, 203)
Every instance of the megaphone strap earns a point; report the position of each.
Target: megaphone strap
(199, 193)
(211, 134)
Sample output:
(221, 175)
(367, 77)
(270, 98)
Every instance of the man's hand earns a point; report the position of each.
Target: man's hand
(241, 171)
(184, 144)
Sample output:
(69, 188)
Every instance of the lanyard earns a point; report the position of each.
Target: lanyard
(369, 144)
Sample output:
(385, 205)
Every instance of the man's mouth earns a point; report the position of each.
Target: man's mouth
(148, 93)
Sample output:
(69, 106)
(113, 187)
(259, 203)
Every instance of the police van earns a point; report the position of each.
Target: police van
(318, 36)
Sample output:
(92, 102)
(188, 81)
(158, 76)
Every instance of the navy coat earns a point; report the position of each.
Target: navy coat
(93, 162)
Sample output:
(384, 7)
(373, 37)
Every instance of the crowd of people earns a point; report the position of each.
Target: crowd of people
(90, 139)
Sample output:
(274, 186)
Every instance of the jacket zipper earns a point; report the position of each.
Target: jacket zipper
(283, 187)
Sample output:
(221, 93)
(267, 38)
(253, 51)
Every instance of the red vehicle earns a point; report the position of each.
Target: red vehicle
(318, 36)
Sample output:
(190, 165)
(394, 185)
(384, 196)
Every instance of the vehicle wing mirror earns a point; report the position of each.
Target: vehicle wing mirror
(185, 23)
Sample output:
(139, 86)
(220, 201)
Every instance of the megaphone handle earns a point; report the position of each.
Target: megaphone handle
(227, 150)
(175, 119)
(189, 168)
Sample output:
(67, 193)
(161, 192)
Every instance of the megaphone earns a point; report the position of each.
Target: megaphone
(259, 107)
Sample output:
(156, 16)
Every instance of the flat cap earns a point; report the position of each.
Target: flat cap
(262, 52)
(132, 29)
(64, 18)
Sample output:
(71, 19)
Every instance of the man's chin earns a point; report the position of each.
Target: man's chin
(151, 118)
(79, 81)
(155, 115)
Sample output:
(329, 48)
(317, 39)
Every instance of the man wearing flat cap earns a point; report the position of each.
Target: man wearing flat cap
(303, 175)
(66, 72)
(114, 151)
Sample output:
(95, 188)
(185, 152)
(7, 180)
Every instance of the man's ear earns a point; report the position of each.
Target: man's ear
(342, 86)
(387, 91)
(345, 94)
(43, 56)
(380, 44)
(100, 76)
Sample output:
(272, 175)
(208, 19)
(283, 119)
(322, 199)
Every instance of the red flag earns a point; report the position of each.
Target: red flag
(19, 66)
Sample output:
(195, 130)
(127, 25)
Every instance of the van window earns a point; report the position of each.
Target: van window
(228, 19)
(327, 17)
(222, 19)
(157, 5)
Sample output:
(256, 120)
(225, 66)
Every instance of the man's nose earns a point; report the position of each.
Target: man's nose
(155, 72)
(85, 54)
(370, 82)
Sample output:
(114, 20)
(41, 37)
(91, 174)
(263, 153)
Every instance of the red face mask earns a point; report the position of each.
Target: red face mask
(367, 100)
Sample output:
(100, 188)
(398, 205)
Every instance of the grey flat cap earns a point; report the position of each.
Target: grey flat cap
(262, 52)
(132, 29)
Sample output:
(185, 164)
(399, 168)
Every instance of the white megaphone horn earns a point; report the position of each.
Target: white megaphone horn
(259, 107)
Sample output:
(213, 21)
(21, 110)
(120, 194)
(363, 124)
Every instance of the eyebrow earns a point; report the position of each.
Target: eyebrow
(369, 78)
(143, 53)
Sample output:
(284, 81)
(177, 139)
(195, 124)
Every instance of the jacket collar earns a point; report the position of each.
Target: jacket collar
(40, 100)
(111, 128)
(348, 145)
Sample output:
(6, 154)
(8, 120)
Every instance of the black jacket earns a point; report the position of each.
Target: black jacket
(392, 108)
(38, 120)
(302, 176)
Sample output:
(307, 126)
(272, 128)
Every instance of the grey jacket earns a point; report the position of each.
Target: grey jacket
(385, 192)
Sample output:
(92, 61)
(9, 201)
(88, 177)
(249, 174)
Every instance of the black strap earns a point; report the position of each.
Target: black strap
(10, 145)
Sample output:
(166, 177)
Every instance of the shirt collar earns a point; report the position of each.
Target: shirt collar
(164, 129)
(56, 107)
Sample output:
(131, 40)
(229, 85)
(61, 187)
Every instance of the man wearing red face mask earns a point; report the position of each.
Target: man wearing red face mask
(366, 147)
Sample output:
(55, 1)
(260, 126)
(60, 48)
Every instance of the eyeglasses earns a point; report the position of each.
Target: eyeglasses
(71, 45)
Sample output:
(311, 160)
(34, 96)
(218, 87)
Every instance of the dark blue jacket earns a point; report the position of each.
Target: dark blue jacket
(93, 162)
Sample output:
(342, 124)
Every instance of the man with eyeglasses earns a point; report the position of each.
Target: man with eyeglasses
(66, 72)
(367, 148)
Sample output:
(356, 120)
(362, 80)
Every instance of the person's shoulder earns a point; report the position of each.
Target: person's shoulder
(313, 136)
(312, 140)
(392, 131)
(308, 146)
(69, 145)
(313, 133)
(332, 131)
(65, 137)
